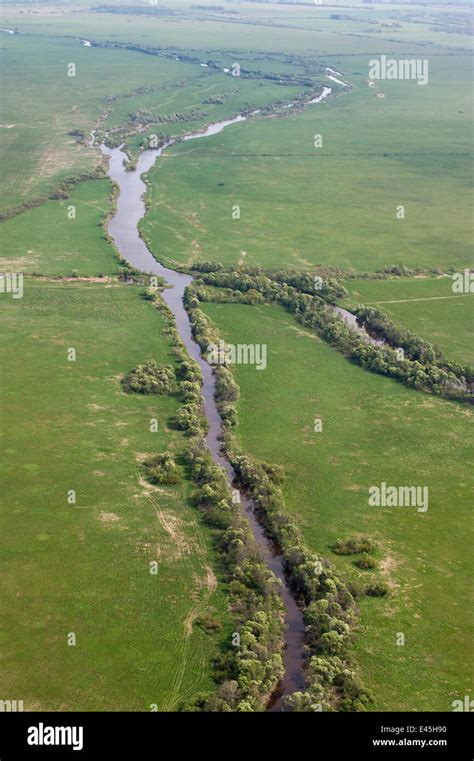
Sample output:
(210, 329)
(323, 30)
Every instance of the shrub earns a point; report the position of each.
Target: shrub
(162, 469)
(149, 294)
(189, 419)
(189, 370)
(151, 378)
(366, 562)
(353, 546)
(380, 589)
(226, 388)
(190, 391)
(208, 623)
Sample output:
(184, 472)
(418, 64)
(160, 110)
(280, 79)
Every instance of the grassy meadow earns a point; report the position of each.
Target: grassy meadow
(36, 151)
(426, 306)
(62, 237)
(374, 430)
(85, 567)
(257, 26)
(337, 204)
(238, 93)
(36, 154)
(68, 425)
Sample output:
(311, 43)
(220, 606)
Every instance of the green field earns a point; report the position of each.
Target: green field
(336, 205)
(36, 153)
(84, 567)
(238, 94)
(374, 430)
(426, 306)
(258, 26)
(49, 240)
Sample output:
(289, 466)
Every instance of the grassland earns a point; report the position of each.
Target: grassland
(70, 426)
(301, 206)
(374, 430)
(85, 568)
(49, 240)
(239, 94)
(258, 27)
(426, 306)
(36, 151)
(376, 154)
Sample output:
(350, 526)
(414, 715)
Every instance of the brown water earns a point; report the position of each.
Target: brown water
(351, 320)
(123, 229)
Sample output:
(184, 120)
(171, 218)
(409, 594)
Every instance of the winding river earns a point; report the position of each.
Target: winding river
(123, 229)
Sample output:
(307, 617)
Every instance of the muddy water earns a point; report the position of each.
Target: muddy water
(123, 229)
(325, 94)
(351, 320)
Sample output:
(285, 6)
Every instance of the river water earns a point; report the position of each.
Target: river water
(351, 321)
(123, 228)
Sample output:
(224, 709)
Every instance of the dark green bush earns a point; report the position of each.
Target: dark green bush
(151, 378)
(208, 623)
(380, 589)
(366, 562)
(353, 546)
(162, 469)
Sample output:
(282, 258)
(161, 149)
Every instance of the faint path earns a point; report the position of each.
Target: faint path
(425, 298)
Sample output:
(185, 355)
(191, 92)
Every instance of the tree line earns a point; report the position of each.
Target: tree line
(420, 365)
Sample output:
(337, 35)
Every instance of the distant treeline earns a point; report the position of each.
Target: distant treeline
(278, 77)
(216, 8)
(136, 10)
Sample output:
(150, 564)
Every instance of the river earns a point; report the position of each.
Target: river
(123, 228)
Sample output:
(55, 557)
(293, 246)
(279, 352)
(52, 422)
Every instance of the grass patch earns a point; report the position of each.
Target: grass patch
(49, 241)
(85, 567)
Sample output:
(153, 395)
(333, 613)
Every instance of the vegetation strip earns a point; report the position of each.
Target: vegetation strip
(330, 611)
(424, 368)
(251, 665)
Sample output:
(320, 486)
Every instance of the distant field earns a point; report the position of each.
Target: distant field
(428, 307)
(240, 93)
(291, 28)
(36, 154)
(301, 206)
(41, 104)
(374, 430)
(321, 205)
(47, 241)
(84, 568)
